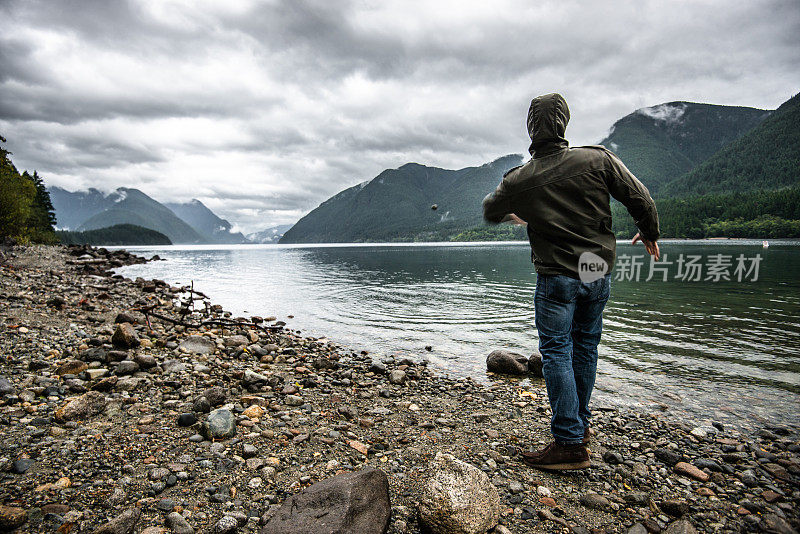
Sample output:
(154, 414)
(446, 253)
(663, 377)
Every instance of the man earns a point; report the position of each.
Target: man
(562, 194)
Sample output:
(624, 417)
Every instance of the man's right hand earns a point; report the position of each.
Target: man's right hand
(651, 246)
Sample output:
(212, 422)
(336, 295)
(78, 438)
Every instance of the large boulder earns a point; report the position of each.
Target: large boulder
(458, 498)
(198, 345)
(87, 405)
(125, 337)
(351, 503)
(507, 363)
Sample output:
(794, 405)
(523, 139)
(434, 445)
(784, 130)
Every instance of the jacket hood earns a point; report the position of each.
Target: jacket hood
(547, 121)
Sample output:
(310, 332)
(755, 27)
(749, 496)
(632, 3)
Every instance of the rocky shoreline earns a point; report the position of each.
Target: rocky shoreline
(134, 406)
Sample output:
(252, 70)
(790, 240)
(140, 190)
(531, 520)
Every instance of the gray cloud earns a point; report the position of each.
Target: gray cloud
(264, 109)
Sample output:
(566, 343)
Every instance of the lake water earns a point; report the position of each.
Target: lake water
(707, 350)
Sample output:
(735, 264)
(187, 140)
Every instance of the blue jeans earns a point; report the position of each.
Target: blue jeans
(569, 318)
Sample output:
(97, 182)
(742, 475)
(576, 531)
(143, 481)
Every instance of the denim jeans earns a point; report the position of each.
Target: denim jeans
(569, 318)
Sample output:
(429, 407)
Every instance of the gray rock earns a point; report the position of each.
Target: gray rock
(595, 501)
(225, 525)
(127, 367)
(251, 377)
(397, 377)
(201, 405)
(638, 528)
(236, 341)
(681, 526)
(378, 368)
(125, 337)
(198, 345)
(145, 361)
(458, 498)
(216, 396)
(6, 388)
(355, 502)
(220, 424)
(87, 405)
(178, 524)
(775, 524)
(124, 523)
(668, 456)
(21, 465)
(505, 362)
(173, 366)
(535, 365)
(293, 400)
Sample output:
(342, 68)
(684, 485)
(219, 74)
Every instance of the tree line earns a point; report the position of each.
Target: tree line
(26, 212)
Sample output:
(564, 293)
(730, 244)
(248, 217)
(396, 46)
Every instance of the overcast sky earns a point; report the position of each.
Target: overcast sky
(263, 109)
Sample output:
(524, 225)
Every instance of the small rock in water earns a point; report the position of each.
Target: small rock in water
(535, 365)
(505, 362)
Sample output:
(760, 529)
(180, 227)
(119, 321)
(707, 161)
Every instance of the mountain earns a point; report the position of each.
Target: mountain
(72, 208)
(206, 222)
(93, 210)
(131, 206)
(270, 235)
(767, 157)
(663, 142)
(397, 205)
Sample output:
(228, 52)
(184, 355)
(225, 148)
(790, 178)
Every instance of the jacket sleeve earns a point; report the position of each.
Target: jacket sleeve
(626, 188)
(497, 204)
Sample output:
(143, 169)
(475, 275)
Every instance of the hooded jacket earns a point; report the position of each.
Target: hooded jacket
(564, 194)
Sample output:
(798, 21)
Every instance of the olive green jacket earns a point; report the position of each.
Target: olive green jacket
(564, 194)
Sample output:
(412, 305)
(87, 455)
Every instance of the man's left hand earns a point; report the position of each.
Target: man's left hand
(650, 246)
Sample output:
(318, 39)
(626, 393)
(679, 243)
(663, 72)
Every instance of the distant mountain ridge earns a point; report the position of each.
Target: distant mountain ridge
(211, 227)
(92, 210)
(269, 235)
(660, 143)
(766, 157)
(397, 205)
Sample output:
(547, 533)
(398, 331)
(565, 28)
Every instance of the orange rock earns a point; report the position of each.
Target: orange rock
(683, 468)
(254, 412)
(360, 447)
(548, 501)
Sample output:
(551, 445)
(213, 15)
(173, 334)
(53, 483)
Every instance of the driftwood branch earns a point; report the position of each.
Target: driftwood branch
(148, 311)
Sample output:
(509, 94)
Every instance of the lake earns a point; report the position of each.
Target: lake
(694, 346)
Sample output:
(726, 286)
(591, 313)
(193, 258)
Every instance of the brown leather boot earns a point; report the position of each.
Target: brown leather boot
(557, 457)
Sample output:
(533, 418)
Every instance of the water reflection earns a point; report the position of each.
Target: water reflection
(700, 345)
